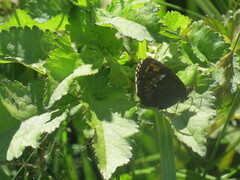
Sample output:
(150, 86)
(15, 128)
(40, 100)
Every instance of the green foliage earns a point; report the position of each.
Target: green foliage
(27, 46)
(67, 99)
(114, 131)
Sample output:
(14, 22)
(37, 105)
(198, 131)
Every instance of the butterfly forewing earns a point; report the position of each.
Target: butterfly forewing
(157, 86)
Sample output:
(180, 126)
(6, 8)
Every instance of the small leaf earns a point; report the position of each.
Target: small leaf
(188, 76)
(56, 23)
(176, 21)
(143, 12)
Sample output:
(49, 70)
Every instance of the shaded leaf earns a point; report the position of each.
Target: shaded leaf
(63, 88)
(171, 54)
(103, 98)
(63, 66)
(16, 99)
(191, 120)
(27, 46)
(42, 11)
(83, 31)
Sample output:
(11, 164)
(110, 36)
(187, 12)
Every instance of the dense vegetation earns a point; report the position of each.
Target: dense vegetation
(68, 106)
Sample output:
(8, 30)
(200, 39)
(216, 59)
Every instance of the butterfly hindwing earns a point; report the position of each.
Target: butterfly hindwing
(157, 86)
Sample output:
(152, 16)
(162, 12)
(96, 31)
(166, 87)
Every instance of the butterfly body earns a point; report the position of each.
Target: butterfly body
(157, 86)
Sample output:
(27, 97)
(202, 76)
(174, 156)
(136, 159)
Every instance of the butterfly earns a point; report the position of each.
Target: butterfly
(157, 86)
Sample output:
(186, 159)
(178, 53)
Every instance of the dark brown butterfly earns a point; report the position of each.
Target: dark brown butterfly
(157, 86)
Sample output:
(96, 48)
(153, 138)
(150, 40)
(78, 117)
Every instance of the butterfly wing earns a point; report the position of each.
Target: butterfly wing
(157, 86)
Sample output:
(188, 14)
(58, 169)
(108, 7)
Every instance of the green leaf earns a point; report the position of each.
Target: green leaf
(110, 143)
(120, 75)
(172, 56)
(228, 25)
(206, 44)
(14, 21)
(42, 11)
(92, 56)
(63, 88)
(191, 120)
(65, 65)
(16, 99)
(102, 97)
(176, 21)
(17, 103)
(29, 132)
(27, 46)
(56, 23)
(142, 12)
(129, 28)
(63, 60)
(188, 76)
(136, 19)
(84, 31)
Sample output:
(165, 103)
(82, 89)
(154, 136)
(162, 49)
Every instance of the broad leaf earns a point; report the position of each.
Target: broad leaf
(102, 98)
(42, 11)
(191, 120)
(83, 31)
(27, 46)
(22, 112)
(29, 132)
(129, 28)
(111, 145)
(63, 66)
(206, 44)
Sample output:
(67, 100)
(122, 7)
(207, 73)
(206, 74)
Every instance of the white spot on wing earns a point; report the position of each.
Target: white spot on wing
(161, 77)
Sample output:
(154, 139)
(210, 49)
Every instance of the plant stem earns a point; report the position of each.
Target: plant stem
(230, 114)
(208, 8)
(180, 9)
(168, 171)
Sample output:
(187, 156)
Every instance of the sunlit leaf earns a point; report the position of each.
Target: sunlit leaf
(111, 142)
